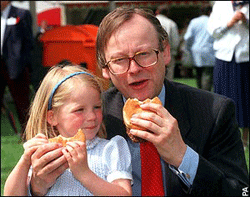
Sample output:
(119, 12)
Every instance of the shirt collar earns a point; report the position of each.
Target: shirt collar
(161, 95)
(6, 11)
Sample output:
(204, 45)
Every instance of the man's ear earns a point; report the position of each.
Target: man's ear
(166, 53)
(51, 118)
(106, 73)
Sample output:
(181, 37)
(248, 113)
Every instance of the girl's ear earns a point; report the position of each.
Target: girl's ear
(51, 118)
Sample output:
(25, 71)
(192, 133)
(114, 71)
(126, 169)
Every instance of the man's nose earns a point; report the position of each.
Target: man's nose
(134, 67)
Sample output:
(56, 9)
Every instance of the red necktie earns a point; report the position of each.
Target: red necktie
(151, 173)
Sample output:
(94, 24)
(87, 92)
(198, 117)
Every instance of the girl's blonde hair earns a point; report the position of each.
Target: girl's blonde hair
(37, 122)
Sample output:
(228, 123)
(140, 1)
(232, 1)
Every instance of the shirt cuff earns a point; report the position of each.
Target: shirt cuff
(29, 190)
(188, 168)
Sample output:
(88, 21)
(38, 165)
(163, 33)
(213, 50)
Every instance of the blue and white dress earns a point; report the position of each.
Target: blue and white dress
(109, 159)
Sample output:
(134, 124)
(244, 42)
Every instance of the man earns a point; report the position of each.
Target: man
(195, 124)
(171, 28)
(195, 133)
(16, 46)
(200, 45)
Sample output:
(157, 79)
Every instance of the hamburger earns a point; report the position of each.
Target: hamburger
(79, 136)
(131, 107)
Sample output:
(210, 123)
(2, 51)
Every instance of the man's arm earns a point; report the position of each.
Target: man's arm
(222, 166)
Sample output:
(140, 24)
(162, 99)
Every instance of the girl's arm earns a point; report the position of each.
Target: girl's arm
(17, 182)
(76, 155)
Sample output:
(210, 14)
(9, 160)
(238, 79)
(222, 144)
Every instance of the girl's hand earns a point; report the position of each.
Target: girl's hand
(31, 146)
(76, 155)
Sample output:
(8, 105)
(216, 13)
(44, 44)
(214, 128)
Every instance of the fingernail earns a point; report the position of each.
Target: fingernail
(132, 131)
(132, 119)
(144, 104)
(134, 116)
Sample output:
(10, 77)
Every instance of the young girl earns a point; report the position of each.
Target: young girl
(69, 98)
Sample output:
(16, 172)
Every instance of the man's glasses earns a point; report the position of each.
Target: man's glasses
(143, 58)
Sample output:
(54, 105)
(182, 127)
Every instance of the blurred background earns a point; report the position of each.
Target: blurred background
(54, 14)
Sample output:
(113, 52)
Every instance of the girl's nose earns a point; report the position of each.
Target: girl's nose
(91, 115)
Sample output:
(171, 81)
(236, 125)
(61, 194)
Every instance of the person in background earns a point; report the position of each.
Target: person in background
(95, 167)
(229, 25)
(16, 46)
(43, 27)
(38, 70)
(194, 142)
(200, 45)
(171, 28)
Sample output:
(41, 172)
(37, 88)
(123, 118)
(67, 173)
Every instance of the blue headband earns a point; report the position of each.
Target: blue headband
(60, 82)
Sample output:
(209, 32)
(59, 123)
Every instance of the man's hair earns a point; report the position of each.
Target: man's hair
(117, 18)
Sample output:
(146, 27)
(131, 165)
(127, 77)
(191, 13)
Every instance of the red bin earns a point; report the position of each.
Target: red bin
(73, 43)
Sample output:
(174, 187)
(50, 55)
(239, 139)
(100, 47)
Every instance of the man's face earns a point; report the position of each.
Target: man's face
(136, 35)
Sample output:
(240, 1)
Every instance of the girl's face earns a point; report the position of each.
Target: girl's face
(81, 110)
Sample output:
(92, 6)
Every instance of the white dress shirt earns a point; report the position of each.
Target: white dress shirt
(229, 40)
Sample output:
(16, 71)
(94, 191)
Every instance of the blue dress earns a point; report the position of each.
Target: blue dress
(232, 80)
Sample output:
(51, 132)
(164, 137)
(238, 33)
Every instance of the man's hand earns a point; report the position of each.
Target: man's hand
(48, 163)
(165, 132)
(32, 145)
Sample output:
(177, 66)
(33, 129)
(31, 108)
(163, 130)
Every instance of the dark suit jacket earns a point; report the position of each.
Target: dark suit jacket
(208, 125)
(18, 42)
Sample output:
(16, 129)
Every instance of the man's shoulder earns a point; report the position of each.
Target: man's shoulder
(200, 19)
(112, 98)
(194, 95)
(110, 93)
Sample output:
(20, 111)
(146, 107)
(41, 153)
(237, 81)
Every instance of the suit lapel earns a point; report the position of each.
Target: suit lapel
(113, 119)
(12, 13)
(175, 105)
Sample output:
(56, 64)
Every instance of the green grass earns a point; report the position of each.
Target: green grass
(11, 147)
(188, 81)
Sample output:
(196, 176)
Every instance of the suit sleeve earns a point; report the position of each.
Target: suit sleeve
(222, 166)
(27, 31)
